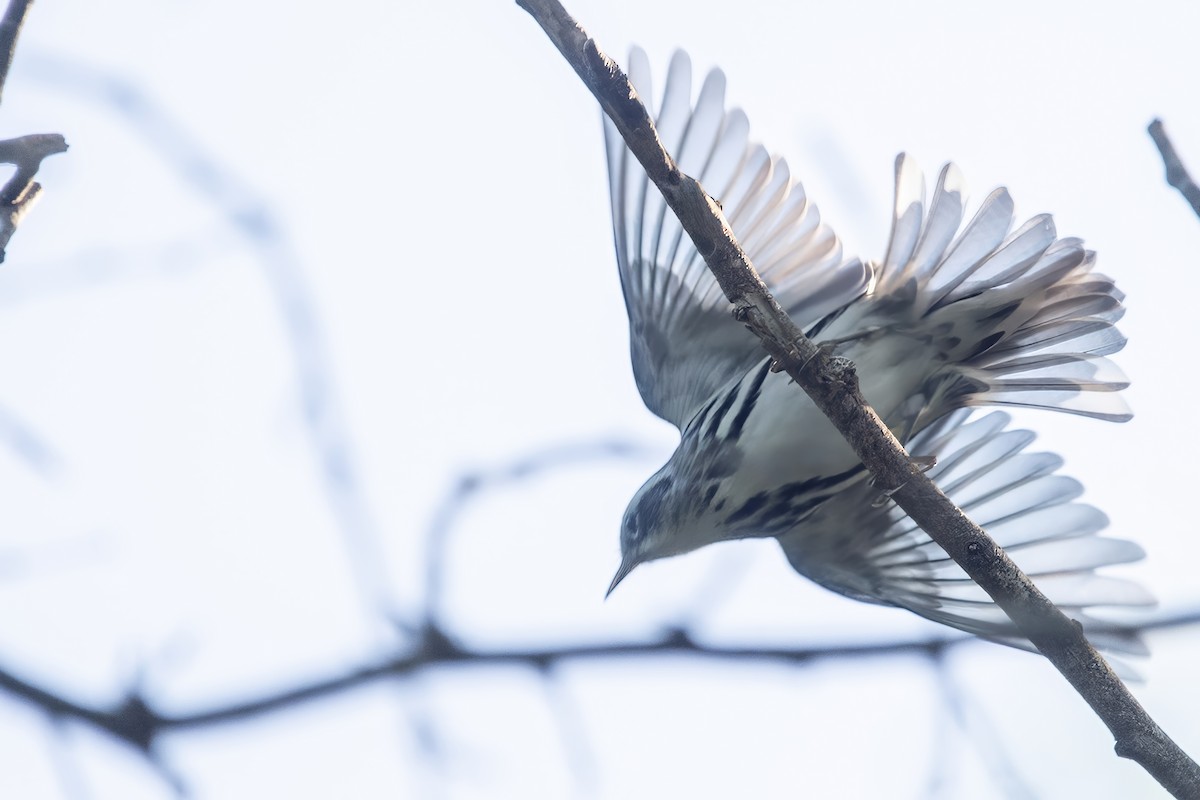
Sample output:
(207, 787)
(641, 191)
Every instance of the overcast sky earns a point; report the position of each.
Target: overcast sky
(305, 264)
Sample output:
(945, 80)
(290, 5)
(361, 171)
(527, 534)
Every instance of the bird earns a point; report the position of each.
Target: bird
(952, 318)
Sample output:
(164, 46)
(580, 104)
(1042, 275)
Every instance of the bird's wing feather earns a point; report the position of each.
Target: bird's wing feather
(1018, 316)
(875, 553)
(684, 343)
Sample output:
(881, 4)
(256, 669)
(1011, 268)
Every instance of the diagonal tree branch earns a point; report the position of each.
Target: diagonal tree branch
(833, 386)
(1177, 174)
(10, 28)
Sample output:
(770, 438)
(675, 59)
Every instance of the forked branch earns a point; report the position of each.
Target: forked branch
(26, 153)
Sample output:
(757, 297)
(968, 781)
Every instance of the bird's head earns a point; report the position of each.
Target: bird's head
(650, 528)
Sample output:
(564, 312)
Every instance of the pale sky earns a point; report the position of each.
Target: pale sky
(382, 234)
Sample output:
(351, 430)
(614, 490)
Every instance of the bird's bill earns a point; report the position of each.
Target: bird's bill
(627, 565)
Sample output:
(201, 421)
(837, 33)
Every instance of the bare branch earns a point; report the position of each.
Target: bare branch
(27, 154)
(18, 195)
(10, 29)
(1177, 174)
(137, 723)
(833, 386)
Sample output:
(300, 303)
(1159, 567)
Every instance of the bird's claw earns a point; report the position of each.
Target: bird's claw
(924, 463)
(886, 496)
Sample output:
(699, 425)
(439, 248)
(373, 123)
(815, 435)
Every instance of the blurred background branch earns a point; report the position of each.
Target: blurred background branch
(1177, 174)
(136, 722)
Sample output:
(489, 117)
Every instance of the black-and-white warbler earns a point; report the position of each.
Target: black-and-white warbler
(947, 321)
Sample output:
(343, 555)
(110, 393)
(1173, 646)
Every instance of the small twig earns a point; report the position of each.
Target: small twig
(833, 386)
(1177, 174)
(18, 195)
(27, 154)
(10, 29)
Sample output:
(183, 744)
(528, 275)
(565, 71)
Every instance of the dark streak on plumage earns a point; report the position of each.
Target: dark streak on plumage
(749, 507)
(739, 422)
(720, 413)
(698, 420)
(782, 516)
(723, 461)
(1001, 313)
(777, 511)
(647, 516)
(986, 344)
(816, 484)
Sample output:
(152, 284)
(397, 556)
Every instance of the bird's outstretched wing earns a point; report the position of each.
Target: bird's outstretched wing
(684, 343)
(1017, 316)
(872, 552)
